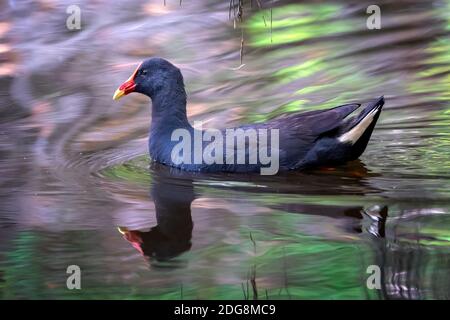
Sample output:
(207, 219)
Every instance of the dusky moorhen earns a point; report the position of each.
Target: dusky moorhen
(308, 139)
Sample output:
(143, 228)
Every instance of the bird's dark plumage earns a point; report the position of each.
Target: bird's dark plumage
(309, 139)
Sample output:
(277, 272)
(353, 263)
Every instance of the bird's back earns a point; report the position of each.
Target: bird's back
(294, 141)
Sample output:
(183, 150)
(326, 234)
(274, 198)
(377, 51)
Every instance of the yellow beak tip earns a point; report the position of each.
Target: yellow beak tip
(122, 230)
(118, 94)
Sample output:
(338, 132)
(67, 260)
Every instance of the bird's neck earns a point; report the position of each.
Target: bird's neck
(169, 110)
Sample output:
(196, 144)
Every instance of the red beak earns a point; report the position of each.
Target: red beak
(134, 237)
(126, 87)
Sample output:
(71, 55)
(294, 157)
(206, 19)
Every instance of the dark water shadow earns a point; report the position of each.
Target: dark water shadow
(403, 264)
(173, 191)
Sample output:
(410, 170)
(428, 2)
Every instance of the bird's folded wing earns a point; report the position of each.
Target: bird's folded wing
(315, 123)
(331, 119)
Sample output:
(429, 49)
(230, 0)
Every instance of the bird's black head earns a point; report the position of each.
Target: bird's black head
(151, 77)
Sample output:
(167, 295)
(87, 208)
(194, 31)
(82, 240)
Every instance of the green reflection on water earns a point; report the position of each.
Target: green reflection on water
(294, 23)
(135, 170)
(318, 70)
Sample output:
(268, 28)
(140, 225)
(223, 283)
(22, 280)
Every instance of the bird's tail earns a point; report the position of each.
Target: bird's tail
(359, 129)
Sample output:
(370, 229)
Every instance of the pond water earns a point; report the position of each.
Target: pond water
(77, 186)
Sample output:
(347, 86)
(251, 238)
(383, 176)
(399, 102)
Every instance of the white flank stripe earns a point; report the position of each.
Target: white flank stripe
(357, 131)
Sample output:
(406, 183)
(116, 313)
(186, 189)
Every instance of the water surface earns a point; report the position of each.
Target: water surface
(74, 169)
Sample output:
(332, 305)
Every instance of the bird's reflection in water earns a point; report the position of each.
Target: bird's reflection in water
(172, 234)
(172, 192)
(371, 220)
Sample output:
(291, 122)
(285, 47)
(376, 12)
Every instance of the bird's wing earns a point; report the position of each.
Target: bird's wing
(299, 131)
(315, 123)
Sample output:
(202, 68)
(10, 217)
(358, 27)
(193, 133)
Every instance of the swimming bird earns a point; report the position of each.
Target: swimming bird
(296, 141)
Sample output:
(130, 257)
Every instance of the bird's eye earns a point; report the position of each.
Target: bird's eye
(143, 72)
